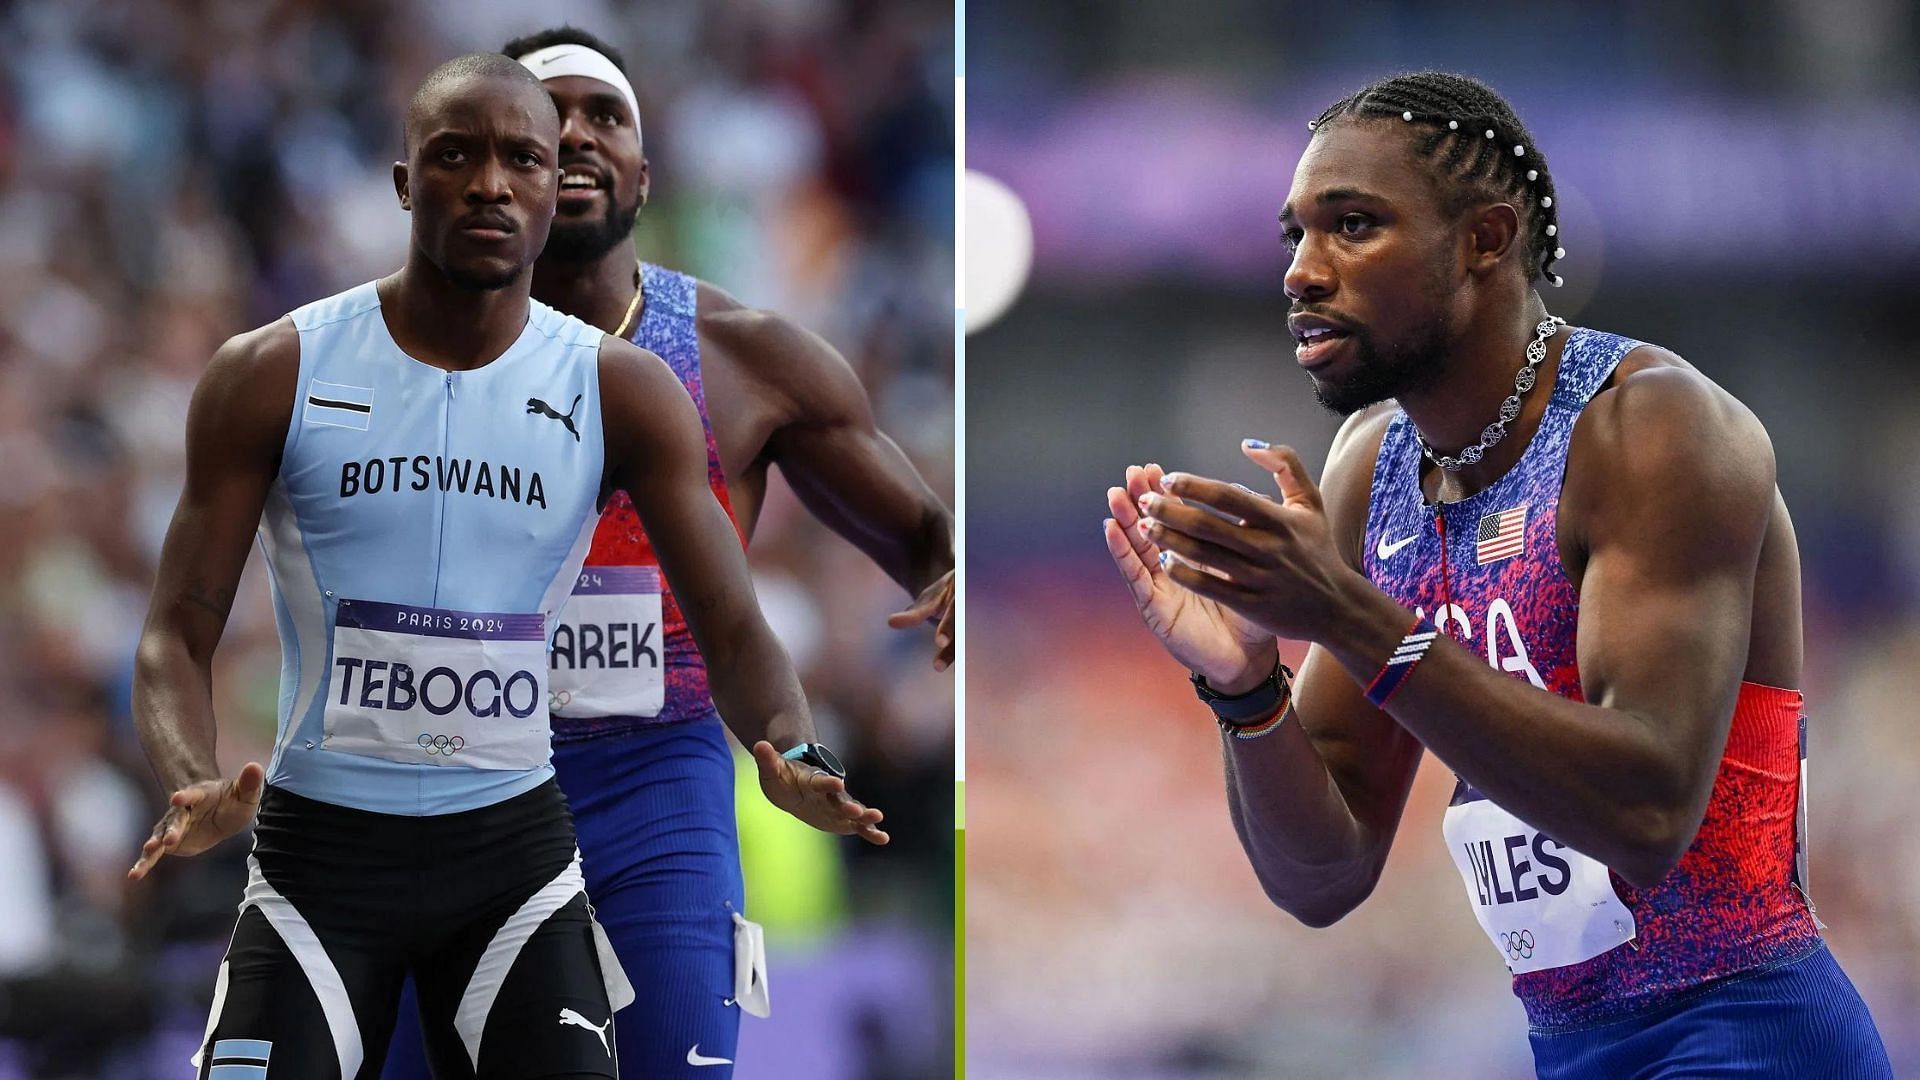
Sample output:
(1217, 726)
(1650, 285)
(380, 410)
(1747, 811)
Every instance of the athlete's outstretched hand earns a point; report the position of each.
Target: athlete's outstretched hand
(815, 796)
(934, 605)
(1274, 563)
(202, 815)
(1207, 637)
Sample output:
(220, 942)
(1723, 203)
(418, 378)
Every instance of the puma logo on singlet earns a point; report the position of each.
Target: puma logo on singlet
(535, 405)
(568, 1016)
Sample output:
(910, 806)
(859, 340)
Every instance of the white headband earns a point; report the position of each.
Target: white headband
(557, 61)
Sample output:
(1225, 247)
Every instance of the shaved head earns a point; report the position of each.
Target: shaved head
(447, 83)
(482, 171)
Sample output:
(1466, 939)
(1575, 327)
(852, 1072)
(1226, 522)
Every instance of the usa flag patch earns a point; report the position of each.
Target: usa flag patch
(1501, 535)
(339, 405)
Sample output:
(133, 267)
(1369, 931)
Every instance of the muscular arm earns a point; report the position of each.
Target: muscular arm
(236, 426)
(845, 470)
(657, 453)
(1316, 804)
(1679, 486)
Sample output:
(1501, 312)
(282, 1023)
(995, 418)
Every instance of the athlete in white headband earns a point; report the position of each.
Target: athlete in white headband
(557, 61)
(639, 749)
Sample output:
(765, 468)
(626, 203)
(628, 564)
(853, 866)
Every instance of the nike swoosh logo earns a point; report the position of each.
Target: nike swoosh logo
(694, 1057)
(1385, 550)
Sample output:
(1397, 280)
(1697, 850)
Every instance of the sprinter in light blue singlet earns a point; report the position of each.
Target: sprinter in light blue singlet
(425, 529)
(424, 458)
(639, 746)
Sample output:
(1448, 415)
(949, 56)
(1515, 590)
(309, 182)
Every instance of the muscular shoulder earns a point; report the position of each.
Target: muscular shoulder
(630, 374)
(1662, 435)
(245, 395)
(1660, 418)
(257, 359)
(789, 363)
(1347, 481)
(746, 333)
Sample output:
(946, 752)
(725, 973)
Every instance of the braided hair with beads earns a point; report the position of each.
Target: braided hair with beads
(1476, 141)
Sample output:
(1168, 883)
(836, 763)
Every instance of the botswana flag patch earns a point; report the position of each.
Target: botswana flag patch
(339, 405)
(239, 1059)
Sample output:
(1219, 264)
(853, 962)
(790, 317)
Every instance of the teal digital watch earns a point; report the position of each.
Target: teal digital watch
(818, 756)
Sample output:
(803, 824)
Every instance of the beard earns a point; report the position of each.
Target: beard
(1409, 365)
(588, 240)
(1414, 362)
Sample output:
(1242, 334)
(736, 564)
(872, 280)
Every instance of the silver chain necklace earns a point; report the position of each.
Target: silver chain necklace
(1510, 408)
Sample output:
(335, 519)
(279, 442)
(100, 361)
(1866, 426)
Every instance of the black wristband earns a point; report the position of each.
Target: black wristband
(1252, 707)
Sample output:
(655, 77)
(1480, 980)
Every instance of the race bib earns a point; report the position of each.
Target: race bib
(429, 686)
(605, 657)
(1541, 903)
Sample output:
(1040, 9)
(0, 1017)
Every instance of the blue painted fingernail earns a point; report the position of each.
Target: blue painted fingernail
(1257, 444)
(1166, 558)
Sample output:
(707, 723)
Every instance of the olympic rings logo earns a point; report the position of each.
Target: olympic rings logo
(559, 699)
(441, 745)
(1518, 945)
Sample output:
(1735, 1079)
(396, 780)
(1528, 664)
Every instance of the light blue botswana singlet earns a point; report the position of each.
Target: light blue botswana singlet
(422, 534)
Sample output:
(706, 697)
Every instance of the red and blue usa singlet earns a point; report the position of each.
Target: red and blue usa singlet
(622, 657)
(1585, 946)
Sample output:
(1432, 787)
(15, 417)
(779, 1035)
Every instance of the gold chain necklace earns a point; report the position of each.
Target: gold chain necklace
(632, 307)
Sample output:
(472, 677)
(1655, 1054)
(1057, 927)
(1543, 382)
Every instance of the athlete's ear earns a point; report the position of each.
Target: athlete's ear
(1492, 230)
(646, 179)
(400, 185)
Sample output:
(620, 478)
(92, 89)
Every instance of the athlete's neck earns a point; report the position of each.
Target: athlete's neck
(446, 325)
(1453, 413)
(597, 293)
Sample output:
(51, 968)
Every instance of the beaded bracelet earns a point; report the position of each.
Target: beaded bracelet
(1265, 727)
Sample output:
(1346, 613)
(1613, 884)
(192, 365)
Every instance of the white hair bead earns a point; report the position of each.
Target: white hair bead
(1489, 133)
(1519, 151)
(1559, 253)
(1453, 125)
(1557, 280)
(1311, 125)
(1406, 116)
(1551, 229)
(1532, 174)
(1546, 200)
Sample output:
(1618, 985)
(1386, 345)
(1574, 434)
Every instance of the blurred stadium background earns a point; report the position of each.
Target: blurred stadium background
(174, 172)
(1739, 184)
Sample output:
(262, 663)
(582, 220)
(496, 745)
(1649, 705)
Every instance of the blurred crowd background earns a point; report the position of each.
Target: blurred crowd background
(1738, 183)
(175, 171)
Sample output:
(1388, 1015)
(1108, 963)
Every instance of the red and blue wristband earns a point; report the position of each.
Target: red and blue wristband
(1401, 664)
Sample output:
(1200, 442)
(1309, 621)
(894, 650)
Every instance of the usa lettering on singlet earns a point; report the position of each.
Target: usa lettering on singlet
(622, 656)
(422, 534)
(1583, 945)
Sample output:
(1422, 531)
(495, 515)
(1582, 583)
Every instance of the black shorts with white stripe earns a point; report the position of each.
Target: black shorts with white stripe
(485, 908)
